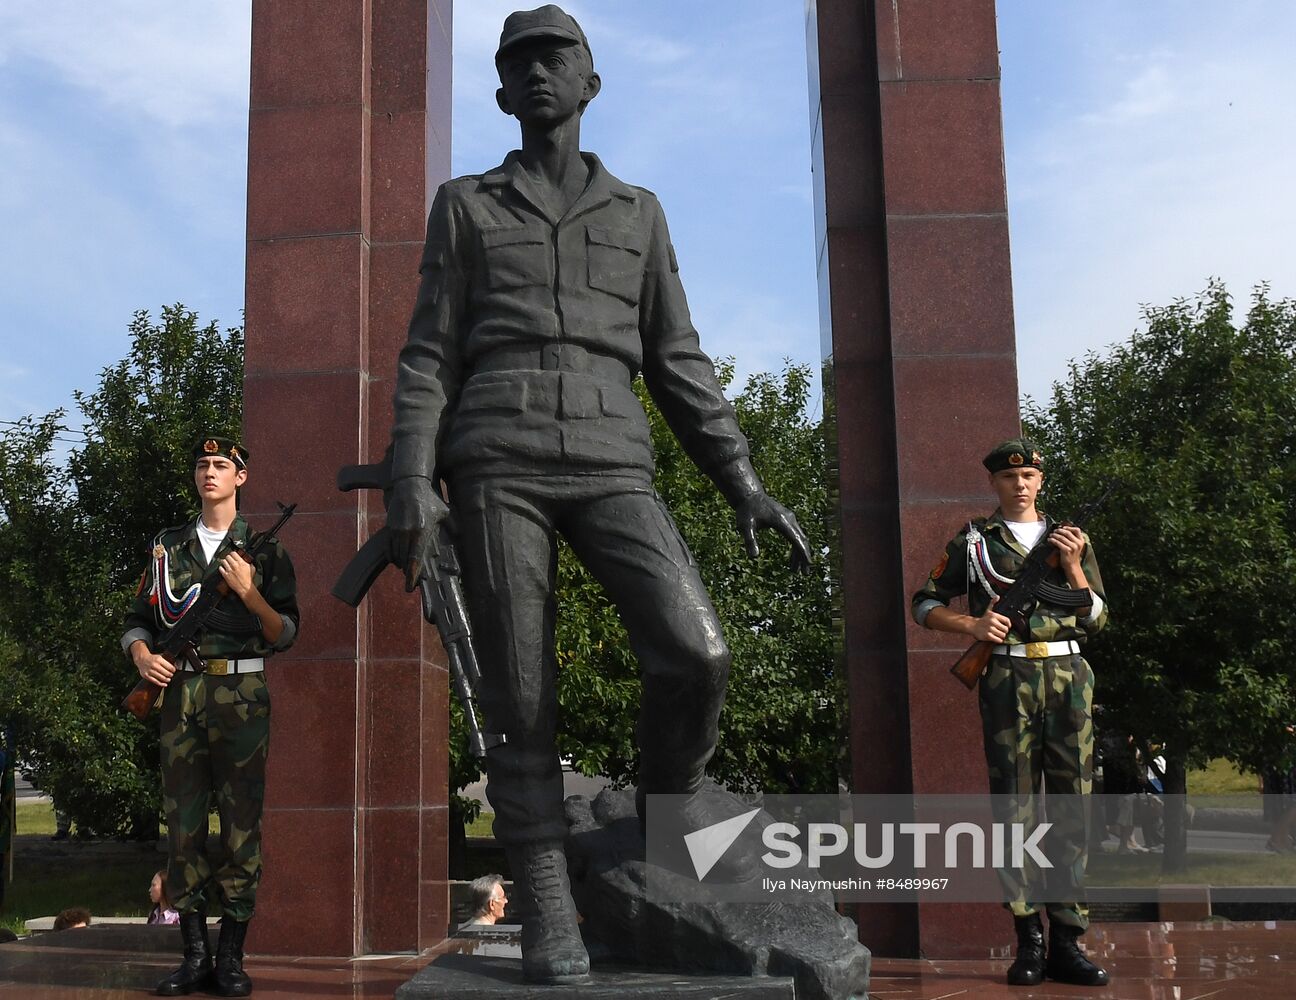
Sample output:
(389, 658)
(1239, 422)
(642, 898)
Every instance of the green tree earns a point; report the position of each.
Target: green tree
(73, 541)
(1195, 419)
(780, 728)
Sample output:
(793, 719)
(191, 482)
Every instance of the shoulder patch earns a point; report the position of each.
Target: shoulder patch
(940, 567)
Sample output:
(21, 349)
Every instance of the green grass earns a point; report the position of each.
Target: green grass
(35, 817)
(481, 826)
(1214, 869)
(109, 879)
(1219, 777)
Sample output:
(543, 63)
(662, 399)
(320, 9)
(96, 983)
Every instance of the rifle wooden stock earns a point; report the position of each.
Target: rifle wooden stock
(143, 697)
(972, 664)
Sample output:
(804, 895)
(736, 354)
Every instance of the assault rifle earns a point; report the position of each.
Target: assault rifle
(1019, 600)
(181, 640)
(439, 588)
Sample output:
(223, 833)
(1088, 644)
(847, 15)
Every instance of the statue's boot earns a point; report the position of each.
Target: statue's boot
(1028, 967)
(552, 950)
(195, 970)
(677, 732)
(231, 980)
(1067, 963)
(682, 815)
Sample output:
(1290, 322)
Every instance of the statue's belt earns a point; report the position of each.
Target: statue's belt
(550, 357)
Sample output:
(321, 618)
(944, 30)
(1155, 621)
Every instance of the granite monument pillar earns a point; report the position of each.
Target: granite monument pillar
(349, 135)
(920, 369)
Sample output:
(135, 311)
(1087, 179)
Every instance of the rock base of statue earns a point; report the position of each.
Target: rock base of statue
(683, 929)
(493, 977)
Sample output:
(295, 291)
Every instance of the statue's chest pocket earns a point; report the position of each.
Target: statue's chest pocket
(616, 261)
(516, 256)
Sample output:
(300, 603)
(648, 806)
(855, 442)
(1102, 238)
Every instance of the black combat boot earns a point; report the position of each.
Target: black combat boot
(1028, 967)
(552, 950)
(195, 970)
(231, 980)
(1066, 962)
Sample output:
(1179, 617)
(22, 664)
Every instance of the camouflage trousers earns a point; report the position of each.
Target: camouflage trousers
(215, 734)
(1037, 723)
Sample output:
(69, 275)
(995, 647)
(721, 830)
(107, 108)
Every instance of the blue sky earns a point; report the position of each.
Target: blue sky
(1148, 147)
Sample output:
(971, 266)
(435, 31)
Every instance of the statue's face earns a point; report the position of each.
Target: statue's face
(545, 82)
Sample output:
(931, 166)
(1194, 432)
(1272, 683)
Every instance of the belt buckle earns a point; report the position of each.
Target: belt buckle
(218, 668)
(1036, 650)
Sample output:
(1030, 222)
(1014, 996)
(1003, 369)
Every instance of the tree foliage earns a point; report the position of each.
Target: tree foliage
(779, 730)
(73, 543)
(1195, 418)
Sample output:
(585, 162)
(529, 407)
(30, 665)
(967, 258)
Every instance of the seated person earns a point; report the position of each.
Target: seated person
(488, 900)
(162, 912)
(72, 917)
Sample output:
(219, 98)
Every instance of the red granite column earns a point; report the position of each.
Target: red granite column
(348, 138)
(920, 367)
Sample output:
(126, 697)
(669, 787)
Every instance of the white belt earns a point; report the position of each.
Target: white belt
(219, 667)
(1038, 650)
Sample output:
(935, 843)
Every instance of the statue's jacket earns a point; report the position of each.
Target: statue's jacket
(1002, 558)
(529, 330)
(174, 575)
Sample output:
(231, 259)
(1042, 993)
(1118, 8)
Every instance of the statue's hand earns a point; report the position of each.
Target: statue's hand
(760, 510)
(413, 515)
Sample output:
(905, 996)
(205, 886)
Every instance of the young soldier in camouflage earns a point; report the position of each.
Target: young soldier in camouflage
(1036, 695)
(215, 723)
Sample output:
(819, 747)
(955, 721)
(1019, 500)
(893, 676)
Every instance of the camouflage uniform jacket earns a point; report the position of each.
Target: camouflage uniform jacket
(171, 582)
(954, 576)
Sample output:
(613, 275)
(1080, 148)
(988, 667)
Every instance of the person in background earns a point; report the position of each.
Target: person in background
(488, 900)
(1279, 786)
(162, 912)
(72, 918)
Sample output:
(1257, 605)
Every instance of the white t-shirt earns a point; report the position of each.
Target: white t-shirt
(209, 540)
(1026, 532)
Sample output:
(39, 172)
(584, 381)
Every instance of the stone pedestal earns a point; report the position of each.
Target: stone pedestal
(920, 371)
(349, 130)
(477, 977)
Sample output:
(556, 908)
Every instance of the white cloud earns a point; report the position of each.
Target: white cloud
(178, 63)
(1140, 193)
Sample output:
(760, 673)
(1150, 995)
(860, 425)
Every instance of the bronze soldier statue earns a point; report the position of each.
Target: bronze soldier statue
(215, 710)
(547, 285)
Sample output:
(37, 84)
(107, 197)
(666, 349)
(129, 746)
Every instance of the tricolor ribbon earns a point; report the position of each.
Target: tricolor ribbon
(170, 607)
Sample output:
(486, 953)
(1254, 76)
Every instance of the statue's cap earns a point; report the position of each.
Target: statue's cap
(549, 21)
(222, 447)
(1015, 453)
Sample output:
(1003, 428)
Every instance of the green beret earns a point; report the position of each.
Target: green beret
(223, 447)
(1014, 454)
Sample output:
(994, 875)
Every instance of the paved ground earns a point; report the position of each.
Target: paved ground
(25, 792)
(1162, 961)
